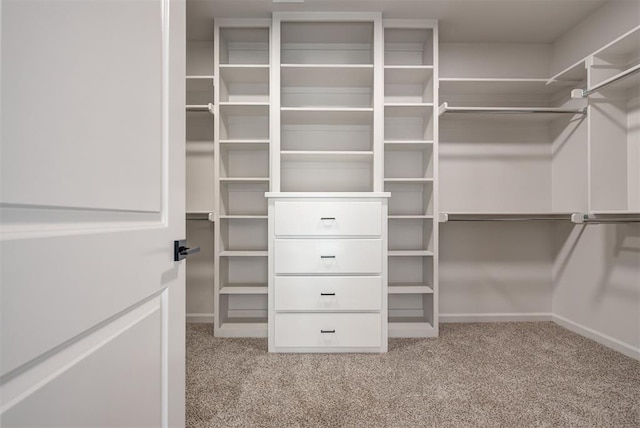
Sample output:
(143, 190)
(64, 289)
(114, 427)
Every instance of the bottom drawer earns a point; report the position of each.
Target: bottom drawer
(328, 330)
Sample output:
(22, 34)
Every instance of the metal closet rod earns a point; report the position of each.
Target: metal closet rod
(444, 108)
(577, 218)
(582, 93)
(200, 216)
(208, 107)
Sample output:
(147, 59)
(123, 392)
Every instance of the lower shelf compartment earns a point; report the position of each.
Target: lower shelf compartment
(243, 327)
(405, 327)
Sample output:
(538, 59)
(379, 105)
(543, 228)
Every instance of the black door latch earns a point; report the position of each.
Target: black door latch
(181, 251)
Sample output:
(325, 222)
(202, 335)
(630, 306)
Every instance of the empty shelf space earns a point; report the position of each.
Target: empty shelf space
(409, 288)
(244, 289)
(410, 327)
(243, 253)
(244, 45)
(410, 253)
(407, 74)
(326, 156)
(408, 46)
(256, 145)
(326, 42)
(409, 217)
(503, 86)
(335, 116)
(326, 75)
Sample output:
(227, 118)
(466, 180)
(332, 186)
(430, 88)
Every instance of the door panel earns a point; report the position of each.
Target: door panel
(92, 198)
(83, 403)
(82, 125)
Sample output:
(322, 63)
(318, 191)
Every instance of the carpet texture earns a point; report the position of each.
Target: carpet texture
(474, 375)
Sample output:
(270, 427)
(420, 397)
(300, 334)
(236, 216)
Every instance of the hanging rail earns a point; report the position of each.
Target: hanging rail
(479, 217)
(207, 107)
(583, 93)
(200, 216)
(577, 218)
(444, 108)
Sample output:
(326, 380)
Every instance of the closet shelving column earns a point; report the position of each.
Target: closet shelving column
(199, 162)
(613, 92)
(242, 175)
(325, 128)
(411, 175)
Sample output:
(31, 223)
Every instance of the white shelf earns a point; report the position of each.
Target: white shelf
(326, 156)
(408, 145)
(200, 83)
(244, 179)
(326, 115)
(326, 75)
(410, 253)
(244, 289)
(410, 217)
(409, 288)
(408, 180)
(233, 253)
(243, 217)
(499, 86)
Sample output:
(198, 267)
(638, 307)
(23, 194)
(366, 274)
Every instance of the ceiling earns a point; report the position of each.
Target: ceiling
(518, 21)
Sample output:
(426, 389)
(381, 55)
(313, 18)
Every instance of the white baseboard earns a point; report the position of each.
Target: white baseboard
(200, 318)
(603, 339)
(497, 317)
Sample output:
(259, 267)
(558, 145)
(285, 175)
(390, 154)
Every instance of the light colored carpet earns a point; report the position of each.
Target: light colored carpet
(503, 374)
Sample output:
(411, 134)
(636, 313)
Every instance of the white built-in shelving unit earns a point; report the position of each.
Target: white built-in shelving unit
(411, 175)
(200, 194)
(242, 175)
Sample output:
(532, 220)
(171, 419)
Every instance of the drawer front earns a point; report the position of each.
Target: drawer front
(328, 330)
(328, 293)
(328, 256)
(328, 218)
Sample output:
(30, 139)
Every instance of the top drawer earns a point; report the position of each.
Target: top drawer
(324, 218)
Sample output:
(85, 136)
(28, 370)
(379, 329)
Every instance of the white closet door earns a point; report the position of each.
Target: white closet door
(92, 198)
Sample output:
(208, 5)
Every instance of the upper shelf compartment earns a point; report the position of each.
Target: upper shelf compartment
(326, 43)
(616, 58)
(408, 46)
(244, 46)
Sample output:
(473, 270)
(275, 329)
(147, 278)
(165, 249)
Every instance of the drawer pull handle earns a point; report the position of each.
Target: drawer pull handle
(327, 257)
(327, 294)
(327, 331)
(327, 218)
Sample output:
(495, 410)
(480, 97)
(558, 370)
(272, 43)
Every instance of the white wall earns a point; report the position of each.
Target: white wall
(596, 277)
(607, 23)
(492, 271)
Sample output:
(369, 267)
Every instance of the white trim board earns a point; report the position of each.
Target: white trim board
(196, 318)
(495, 317)
(603, 339)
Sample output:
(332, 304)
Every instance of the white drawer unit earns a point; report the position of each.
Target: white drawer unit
(328, 272)
(328, 218)
(327, 256)
(327, 330)
(328, 293)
